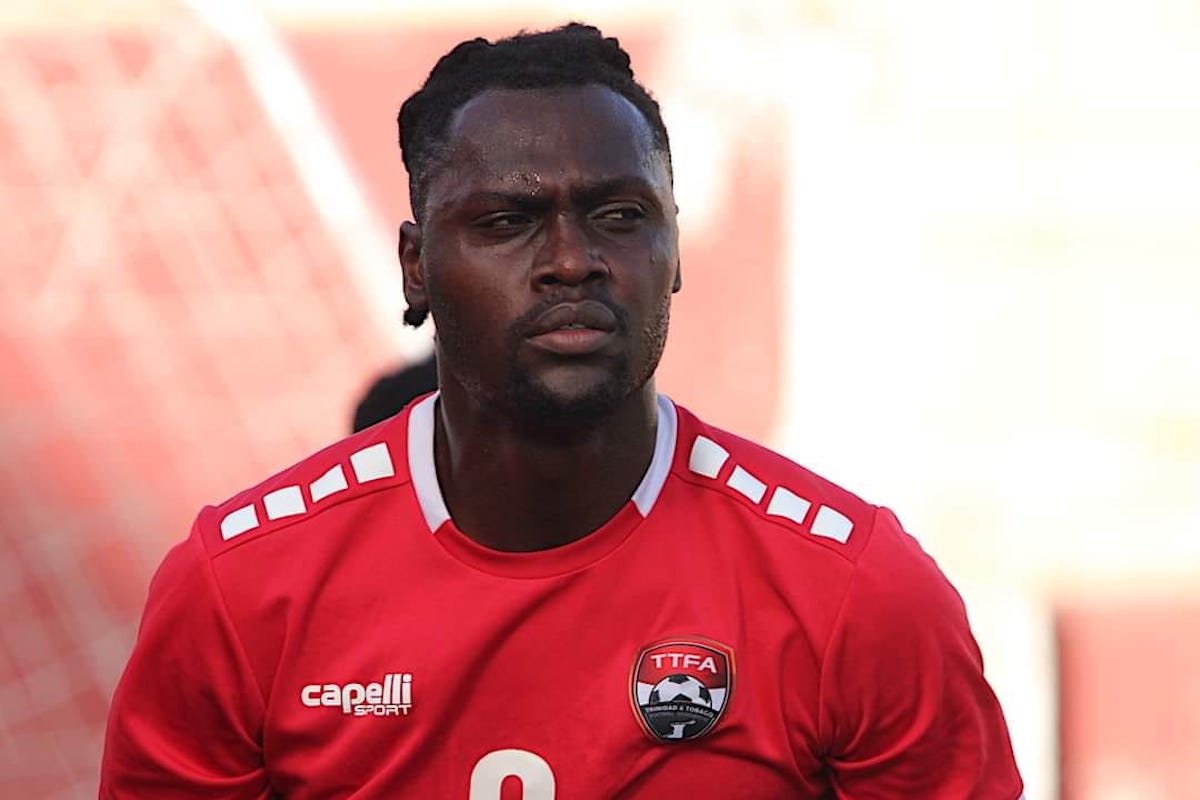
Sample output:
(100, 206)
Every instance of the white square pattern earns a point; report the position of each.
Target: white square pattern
(832, 524)
(331, 482)
(786, 504)
(747, 484)
(285, 502)
(707, 458)
(369, 464)
(372, 463)
(238, 522)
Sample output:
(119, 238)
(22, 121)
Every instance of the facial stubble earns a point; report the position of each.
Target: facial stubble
(536, 405)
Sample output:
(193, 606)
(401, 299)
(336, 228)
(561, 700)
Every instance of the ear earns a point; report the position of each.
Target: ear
(409, 251)
(678, 284)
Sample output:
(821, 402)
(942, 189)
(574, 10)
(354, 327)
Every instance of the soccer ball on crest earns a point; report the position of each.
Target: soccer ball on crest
(681, 689)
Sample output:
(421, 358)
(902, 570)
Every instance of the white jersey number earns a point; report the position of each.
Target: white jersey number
(537, 779)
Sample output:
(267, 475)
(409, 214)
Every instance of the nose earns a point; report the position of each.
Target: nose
(566, 255)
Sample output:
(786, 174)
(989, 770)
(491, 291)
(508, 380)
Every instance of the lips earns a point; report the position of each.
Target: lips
(587, 314)
(574, 329)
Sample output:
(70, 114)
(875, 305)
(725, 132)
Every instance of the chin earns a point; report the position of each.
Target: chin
(540, 403)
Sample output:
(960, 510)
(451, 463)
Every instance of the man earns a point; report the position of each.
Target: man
(548, 581)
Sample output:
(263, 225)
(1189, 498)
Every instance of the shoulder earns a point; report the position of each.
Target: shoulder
(371, 461)
(892, 581)
(904, 708)
(778, 490)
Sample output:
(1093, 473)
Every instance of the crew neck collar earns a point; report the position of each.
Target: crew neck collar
(540, 563)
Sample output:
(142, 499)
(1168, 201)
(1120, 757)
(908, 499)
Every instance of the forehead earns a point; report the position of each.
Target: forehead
(585, 133)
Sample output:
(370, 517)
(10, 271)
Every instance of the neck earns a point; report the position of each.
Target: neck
(515, 489)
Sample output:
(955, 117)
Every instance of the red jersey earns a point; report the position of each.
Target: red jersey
(740, 629)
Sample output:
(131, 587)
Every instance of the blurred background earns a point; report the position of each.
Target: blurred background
(945, 252)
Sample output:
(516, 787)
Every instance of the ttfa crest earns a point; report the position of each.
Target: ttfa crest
(681, 687)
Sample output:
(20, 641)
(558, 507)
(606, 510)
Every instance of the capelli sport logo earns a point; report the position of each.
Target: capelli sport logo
(393, 697)
(681, 687)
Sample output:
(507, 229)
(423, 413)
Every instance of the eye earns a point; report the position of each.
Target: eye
(619, 216)
(502, 222)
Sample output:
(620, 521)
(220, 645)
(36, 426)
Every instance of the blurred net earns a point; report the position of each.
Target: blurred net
(175, 310)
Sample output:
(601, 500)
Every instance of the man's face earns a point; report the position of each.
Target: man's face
(548, 252)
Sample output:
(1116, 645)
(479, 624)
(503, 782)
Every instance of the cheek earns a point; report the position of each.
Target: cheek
(659, 279)
(463, 293)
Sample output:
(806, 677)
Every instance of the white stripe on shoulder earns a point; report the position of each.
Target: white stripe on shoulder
(664, 453)
(421, 466)
(708, 459)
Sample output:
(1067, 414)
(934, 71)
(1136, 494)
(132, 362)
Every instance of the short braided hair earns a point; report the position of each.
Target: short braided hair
(573, 55)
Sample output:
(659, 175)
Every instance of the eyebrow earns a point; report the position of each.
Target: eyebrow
(593, 193)
(522, 200)
(584, 195)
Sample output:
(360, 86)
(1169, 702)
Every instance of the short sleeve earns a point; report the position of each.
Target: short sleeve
(905, 709)
(187, 715)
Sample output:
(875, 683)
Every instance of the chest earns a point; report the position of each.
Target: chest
(644, 680)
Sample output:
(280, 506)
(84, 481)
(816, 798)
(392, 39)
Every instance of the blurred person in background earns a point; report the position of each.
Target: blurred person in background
(389, 394)
(548, 576)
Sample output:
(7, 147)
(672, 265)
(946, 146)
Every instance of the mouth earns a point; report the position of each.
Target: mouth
(574, 329)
